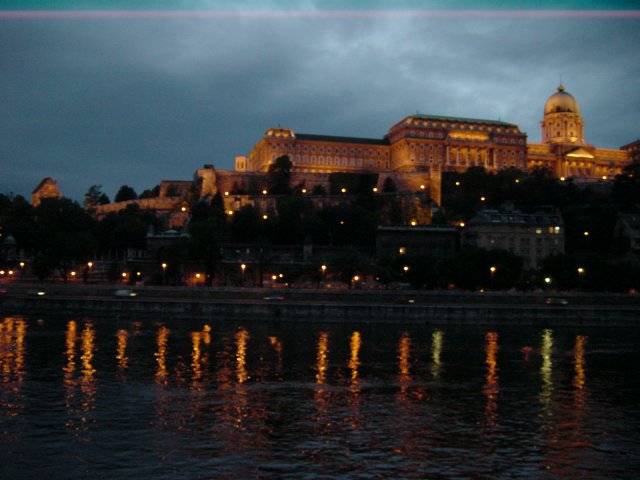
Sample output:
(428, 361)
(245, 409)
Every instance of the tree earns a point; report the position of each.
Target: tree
(204, 245)
(626, 188)
(318, 190)
(389, 186)
(65, 234)
(350, 264)
(125, 229)
(95, 197)
(279, 176)
(153, 193)
(126, 193)
(245, 225)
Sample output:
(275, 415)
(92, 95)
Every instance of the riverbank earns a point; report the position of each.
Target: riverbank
(315, 305)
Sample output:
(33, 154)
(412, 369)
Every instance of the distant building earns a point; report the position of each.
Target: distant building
(529, 236)
(47, 188)
(418, 241)
(563, 149)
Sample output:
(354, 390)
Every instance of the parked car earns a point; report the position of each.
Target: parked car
(274, 298)
(556, 301)
(125, 293)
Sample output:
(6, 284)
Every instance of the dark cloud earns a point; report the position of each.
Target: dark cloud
(137, 101)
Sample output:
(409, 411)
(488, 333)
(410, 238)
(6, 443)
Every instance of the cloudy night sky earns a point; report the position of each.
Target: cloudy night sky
(93, 94)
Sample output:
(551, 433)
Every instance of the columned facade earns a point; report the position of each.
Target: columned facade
(563, 149)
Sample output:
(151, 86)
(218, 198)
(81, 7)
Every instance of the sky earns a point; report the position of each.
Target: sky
(115, 93)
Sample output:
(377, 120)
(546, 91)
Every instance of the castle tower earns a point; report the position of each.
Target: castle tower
(562, 122)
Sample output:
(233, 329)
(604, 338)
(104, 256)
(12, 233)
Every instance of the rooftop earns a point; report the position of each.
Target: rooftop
(463, 119)
(333, 138)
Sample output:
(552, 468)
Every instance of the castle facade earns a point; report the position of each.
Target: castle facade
(417, 149)
(563, 148)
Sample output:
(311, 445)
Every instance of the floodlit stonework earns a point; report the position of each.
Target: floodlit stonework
(413, 154)
(563, 149)
(47, 188)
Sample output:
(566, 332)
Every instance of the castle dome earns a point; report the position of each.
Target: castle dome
(561, 102)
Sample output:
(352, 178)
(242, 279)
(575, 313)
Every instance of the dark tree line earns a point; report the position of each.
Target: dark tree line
(59, 233)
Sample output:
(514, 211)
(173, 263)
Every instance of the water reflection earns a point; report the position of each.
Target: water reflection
(162, 339)
(354, 362)
(404, 366)
(354, 399)
(580, 374)
(12, 364)
(242, 337)
(436, 350)
(276, 343)
(322, 360)
(491, 387)
(79, 380)
(200, 356)
(546, 369)
(579, 362)
(322, 395)
(121, 353)
(345, 401)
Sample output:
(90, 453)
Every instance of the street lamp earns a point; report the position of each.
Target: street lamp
(85, 272)
(164, 273)
(581, 272)
(492, 271)
(243, 267)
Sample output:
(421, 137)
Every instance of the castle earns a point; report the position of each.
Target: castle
(413, 154)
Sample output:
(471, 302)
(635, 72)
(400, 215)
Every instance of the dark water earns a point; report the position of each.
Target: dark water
(83, 398)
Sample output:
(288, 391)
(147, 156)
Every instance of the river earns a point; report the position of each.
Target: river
(100, 398)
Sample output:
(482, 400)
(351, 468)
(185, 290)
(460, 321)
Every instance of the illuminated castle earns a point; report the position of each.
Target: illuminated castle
(563, 149)
(413, 153)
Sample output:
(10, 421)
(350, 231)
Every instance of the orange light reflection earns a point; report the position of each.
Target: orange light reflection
(404, 367)
(121, 355)
(161, 354)
(491, 387)
(322, 358)
(12, 354)
(242, 337)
